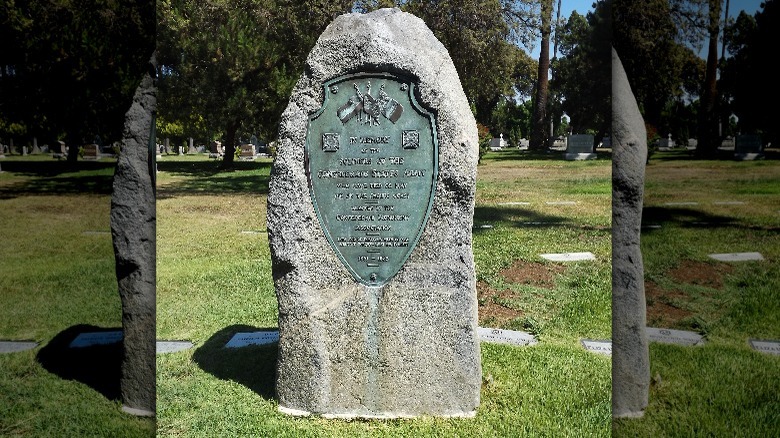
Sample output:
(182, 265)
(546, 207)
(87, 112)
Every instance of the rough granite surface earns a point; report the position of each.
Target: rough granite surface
(410, 347)
(630, 354)
(133, 228)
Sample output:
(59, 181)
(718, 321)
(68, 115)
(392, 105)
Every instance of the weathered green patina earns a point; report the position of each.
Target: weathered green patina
(372, 164)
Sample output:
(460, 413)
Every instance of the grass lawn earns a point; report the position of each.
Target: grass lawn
(214, 279)
(693, 208)
(57, 279)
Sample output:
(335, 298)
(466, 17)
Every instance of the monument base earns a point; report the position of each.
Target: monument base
(137, 412)
(749, 156)
(578, 156)
(370, 416)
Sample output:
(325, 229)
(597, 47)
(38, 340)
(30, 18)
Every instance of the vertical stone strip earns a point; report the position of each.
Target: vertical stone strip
(406, 345)
(133, 220)
(630, 354)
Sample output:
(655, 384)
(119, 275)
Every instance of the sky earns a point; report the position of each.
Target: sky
(584, 6)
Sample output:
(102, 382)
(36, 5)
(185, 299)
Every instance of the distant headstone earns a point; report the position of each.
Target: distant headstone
(669, 336)
(215, 149)
(523, 143)
(167, 143)
(748, 147)
(497, 144)
(370, 213)
(692, 143)
(35, 148)
(569, 256)
(91, 151)
(631, 358)
(766, 346)
(727, 143)
(561, 202)
(253, 338)
(510, 337)
(597, 346)
(606, 142)
(191, 147)
(247, 151)
(737, 256)
(579, 147)
(666, 144)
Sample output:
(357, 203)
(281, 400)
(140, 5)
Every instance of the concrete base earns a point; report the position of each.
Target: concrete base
(137, 412)
(576, 157)
(749, 156)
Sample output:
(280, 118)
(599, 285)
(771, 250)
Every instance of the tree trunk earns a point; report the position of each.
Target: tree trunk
(230, 145)
(708, 118)
(539, 126)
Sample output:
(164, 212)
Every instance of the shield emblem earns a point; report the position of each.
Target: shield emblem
(372, 165)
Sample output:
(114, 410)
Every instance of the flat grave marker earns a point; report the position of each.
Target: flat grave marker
(598, 346)
(728, 202)
(16, 346)
(678, 337)
(514, 203)
(737, 256)
(569, 256)
(766, 346)
(173, 346)
(500, 336)
(243, 339)
(561, 202)
(96, 338)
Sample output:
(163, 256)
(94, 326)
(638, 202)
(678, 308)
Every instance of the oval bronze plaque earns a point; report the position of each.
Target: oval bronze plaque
(372, 163)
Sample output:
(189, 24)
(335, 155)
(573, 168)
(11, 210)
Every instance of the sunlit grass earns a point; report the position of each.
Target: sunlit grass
(214, 279)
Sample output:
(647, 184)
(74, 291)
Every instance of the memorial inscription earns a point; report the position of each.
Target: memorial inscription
(372, 166)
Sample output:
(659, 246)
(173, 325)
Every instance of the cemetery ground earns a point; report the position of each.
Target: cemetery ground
(214, 280)
(692, 209)
(57, 279)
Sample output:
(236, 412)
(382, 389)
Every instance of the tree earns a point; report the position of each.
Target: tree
(539, 127)
(708, 136)
(644, 37)
(748, 77)
(233, 64)
(68, 69)
(582, 72)
(476, 34)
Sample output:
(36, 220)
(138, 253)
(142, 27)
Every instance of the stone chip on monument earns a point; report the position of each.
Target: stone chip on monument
(370, 211)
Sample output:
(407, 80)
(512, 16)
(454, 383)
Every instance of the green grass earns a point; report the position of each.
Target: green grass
(57, 276)
(213, 280)
(722, 388)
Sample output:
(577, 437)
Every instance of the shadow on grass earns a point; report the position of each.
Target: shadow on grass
(517, 217)
(206, 178)
(45, 179)
(548, 155)
(690, 218)
(97, 366)
(718, 155)
(253, 366)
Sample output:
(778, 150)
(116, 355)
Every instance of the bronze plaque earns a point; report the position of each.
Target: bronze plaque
(372, 163)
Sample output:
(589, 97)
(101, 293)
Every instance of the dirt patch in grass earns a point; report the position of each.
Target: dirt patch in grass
(659, 312)
(490, 312)
(700, 273)
(533, 273)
